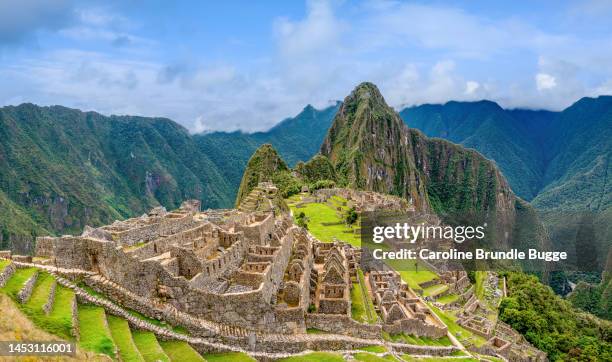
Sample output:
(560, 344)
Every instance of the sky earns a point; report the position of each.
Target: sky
(246, 65)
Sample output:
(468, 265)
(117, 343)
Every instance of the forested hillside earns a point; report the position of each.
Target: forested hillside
(296, 139)
(62, 169)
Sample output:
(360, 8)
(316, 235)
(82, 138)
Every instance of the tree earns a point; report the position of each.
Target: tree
(301, 219)
(351, 216)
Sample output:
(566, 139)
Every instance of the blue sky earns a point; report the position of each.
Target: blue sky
(247, 65)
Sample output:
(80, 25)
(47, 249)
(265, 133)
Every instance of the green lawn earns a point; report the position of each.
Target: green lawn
(315, 357)
(120, 330)
(94, 334)
(231, 356)
(149, 348)
(447, 299)
(315, 331)
(413, 273)
(409, 358)
(181, 351)
(358, 311)
(368, 357)
(59, 320)
(374, 348)
(434, 290)
(17, 280)
(481, 277)
(325, 223)
(454, 328)
(420, 341)
(4, 263)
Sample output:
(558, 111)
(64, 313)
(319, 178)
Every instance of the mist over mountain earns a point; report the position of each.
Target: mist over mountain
(559, 161)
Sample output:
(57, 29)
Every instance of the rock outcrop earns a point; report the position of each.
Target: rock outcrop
(372, 149)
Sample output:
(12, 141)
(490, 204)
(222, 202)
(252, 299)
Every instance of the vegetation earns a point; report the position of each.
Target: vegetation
(558, 160)
(180, 351)
(148, 346)
(231, 356)
(265, 165)
(315, 357)
(120, 331)
(458, 331)
(368, 357)
(301, 220)
(93, 331)
(375, 349)
(296, 139)
(325, 221)
(552, 324)
(88, 169)
(16, 282)
(412, 272)
(421, 341)
(351, 216)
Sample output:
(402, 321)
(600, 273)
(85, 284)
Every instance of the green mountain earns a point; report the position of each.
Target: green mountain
(296, 139)
(62, 169)
(558, 160)
(263, 166)
(372, 149)
(496, 133)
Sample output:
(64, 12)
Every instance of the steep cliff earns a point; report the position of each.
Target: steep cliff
(265, 165)
(371, 148)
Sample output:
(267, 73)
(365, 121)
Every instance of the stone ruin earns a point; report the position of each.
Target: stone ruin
(365, 201)
(250, 271)
(401, 309)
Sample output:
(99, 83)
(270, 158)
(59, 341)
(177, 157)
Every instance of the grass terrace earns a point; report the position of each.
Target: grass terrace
(15, 283)
(368, 357)
(315, 357)
(412, 272)
(325, 221)
(94, 333)
(232, 356)
(362, 307)
(409, 358)
(448, 298)
(4, 263)
(181, 351)
(419, 341)
(461, 333)
(120, 331)
(434, 290)
(149, 347)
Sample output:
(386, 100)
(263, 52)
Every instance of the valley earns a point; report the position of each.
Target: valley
(281, 275)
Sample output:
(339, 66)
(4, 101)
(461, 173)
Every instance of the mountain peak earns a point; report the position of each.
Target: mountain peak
(262, 166)
(365, 92)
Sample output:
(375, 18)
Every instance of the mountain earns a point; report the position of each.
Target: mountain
(296, 139)
(496, 133)
(62, 169)
(263, 166)
(558, 160)
(371, 148)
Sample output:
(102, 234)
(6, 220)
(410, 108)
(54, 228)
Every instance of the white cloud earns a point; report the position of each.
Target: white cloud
(471, 87)
(415, 53)
(545, 81)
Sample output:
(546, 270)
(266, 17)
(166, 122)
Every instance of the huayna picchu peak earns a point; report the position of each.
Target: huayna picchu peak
(371, 148)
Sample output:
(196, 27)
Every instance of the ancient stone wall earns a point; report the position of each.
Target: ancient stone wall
(416, 327)
(6, 274)
(342, 324)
